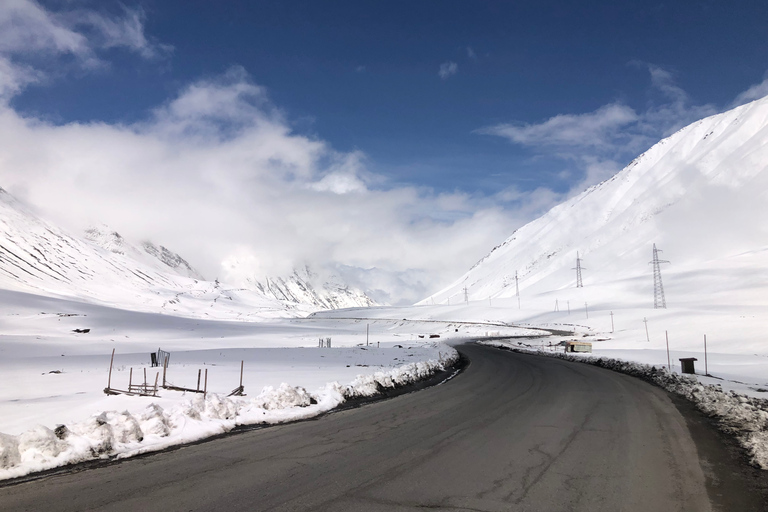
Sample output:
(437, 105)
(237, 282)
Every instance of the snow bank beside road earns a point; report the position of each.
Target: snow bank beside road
(744, 417)
(122, 434)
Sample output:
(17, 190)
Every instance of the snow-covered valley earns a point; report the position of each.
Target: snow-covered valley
(701, 196)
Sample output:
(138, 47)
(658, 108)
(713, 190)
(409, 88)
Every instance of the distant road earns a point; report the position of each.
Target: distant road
(512, 432)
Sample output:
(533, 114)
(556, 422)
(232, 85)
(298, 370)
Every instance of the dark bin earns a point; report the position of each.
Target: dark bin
(687, 364)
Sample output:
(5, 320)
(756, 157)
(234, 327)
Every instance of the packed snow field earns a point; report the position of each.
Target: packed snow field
(53, 409)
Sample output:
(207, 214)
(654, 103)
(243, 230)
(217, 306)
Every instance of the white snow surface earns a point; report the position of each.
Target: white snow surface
(700, 195)
(53, 410)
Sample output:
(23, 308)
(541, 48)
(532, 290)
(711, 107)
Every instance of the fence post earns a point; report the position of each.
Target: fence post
(109, 380)
(205, 391)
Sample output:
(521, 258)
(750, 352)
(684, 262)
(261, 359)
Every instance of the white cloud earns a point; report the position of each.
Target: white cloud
(448, 69)
(600, 142)
(471, 53)
(755, 92)
(28, 31)
(219, 176)
(597, 129)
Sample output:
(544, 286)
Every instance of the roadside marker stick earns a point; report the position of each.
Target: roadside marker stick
(706, 371)
(669, 361)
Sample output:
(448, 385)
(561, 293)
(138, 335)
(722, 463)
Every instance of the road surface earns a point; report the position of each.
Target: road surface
(512, 432)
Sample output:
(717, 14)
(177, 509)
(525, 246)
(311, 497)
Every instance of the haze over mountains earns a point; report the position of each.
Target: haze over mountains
(38, 257)
(700, 195)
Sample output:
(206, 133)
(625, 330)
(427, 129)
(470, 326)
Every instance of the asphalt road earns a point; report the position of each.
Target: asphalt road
(512, 432)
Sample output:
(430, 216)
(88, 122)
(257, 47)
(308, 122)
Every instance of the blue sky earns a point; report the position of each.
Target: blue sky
(472, 117)
(364, 75)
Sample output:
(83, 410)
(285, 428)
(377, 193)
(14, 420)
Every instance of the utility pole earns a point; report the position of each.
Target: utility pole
(557, 306)
(366, 334)
(466, 296)
(517, 290)
(659, 302)
(569, 306)
(586, 310)
(611, 321)
(578, 270)
(669, 361)
(647, 338)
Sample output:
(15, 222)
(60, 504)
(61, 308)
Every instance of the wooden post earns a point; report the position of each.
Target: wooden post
(109, 381)
(241, 372)
(145, 378)
(157, 375)
(130, 379)
(205, 391)
(669, 361)
(165, 368)
(366, 334)
(198, 379)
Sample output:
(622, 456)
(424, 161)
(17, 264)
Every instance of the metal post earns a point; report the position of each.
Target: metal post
(198, 378)
(205, 390)
(130, 379)
(669, 361)
(706, 371)
(242, 362)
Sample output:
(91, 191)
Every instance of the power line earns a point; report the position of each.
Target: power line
(578, 270)
(659, 302)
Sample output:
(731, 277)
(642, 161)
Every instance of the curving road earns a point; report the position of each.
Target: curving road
(512, 432)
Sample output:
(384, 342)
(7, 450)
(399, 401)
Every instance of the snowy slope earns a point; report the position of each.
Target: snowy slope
(150, 254)
(304, 286)
(701, 195)
(38, 257)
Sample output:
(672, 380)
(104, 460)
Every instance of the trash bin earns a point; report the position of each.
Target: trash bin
(687, 364)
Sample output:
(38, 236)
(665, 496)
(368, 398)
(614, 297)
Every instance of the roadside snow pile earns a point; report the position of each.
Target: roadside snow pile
(112, 434)
(746, 418)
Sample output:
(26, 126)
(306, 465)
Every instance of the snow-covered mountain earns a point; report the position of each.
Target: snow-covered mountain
(38, 257)
(304, 286)
(150, 254)
(700, 195)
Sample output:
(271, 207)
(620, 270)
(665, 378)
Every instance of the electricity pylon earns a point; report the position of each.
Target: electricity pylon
(578, 270)
(659, 302)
